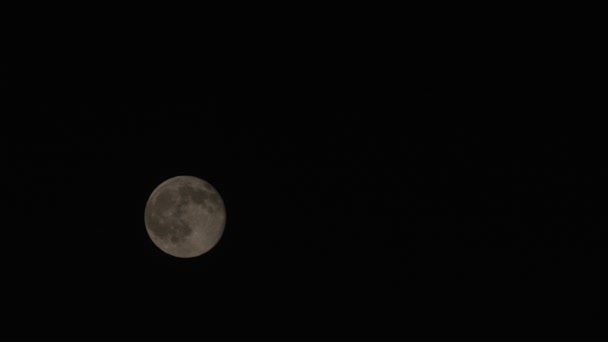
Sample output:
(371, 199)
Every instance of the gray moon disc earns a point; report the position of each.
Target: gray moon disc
(185, 216)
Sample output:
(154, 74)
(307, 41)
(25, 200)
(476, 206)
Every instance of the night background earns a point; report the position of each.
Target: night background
(351, 173)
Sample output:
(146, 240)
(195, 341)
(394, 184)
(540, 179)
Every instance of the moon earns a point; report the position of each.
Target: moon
(185, 216)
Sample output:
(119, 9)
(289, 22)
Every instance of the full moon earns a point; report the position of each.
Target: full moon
(185, 216)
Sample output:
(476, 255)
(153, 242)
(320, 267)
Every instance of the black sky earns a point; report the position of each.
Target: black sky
(342, 177)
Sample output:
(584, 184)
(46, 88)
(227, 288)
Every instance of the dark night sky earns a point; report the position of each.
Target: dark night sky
(342, 177)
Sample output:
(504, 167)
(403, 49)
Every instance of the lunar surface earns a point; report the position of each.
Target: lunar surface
(185, 216)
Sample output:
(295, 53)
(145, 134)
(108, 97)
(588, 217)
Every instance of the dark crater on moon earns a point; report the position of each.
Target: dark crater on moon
(176, 230)
(165, 200)
(196, 195)
(180, 230)
(214, 199)
(207, 199)
(164, 225)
